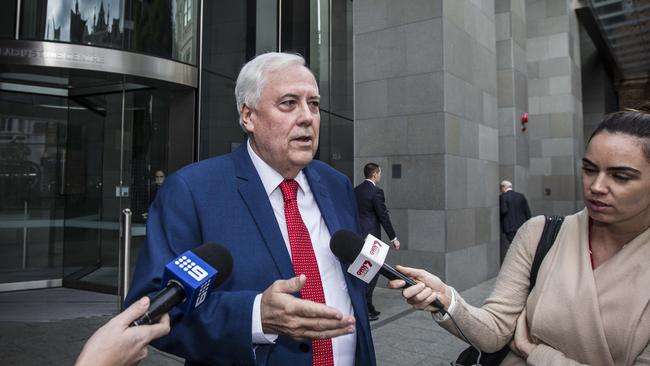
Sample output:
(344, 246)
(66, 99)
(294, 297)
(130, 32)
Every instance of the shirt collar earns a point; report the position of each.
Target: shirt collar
(371, 181)
(270, 177)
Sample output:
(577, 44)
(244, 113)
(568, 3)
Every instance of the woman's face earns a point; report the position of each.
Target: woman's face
(616, 179)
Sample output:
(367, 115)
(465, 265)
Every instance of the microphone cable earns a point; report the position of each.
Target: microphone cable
(445, 312)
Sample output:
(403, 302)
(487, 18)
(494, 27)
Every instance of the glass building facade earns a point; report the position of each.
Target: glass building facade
(100, 99)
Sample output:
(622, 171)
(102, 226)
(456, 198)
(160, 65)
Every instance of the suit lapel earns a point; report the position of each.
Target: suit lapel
(252, 192)
(328, 211)
(324, 200)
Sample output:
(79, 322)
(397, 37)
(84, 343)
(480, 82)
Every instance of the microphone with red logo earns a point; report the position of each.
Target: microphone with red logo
(188, 279)
(366, 258)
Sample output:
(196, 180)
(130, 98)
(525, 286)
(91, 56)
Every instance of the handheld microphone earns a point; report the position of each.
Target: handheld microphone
(367, 258)
(188, 279)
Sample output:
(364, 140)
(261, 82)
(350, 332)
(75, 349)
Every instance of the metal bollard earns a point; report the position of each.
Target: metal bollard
(25, 216)
(125, 257)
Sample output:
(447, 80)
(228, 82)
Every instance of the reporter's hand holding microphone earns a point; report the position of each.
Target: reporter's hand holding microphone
(428, 288)
(187, 281)
(116, 343)
(422, 290)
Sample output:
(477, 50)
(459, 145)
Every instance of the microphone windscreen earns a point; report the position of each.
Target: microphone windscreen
(218, 257)
(346, 245)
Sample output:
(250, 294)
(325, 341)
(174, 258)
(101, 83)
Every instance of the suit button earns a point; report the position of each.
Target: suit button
(304, 347)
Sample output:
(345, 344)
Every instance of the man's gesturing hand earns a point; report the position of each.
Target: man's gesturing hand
(282, 313)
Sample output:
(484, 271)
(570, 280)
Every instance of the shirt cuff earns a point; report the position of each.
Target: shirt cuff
(452, 305)
(393, 239)
(258, 334)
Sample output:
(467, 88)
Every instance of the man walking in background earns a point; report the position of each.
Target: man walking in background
(372, 214)
(514, 212)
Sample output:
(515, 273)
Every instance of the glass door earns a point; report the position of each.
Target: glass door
(116, 158)
(32, 132)
(75, 150)
(94, 189)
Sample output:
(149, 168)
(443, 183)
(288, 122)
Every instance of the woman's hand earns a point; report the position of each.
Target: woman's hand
(118, 344)
(429, 288)
(522, 344)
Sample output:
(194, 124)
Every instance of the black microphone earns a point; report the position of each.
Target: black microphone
(348, 247)
(187, 280)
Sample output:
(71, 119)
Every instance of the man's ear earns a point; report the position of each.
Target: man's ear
(246, 114)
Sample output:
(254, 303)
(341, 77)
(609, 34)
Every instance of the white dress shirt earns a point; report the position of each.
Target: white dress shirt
(334, 286)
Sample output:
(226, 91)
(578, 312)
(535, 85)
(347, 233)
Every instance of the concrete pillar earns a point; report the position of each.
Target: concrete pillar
(426, 111)
(555, 107)
(512, 90)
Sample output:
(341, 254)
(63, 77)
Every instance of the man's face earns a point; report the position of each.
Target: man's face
(284, 127)
(159, 177)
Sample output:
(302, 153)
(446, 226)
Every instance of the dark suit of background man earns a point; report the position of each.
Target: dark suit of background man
(288, 300)
(372, 214)
(514, 212)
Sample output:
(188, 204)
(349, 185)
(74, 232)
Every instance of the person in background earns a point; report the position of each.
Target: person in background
(288, 300)
(117, 344)
(158, 180)
(591, 303)
(372, 214)
(514, 212)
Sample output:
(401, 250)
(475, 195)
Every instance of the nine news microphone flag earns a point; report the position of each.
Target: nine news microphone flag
(188, 279)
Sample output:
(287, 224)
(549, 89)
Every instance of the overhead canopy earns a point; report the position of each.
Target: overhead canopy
(625, 28)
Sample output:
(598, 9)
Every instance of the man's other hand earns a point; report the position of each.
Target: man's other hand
(283, 313)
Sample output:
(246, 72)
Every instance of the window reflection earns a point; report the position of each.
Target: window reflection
(8, 19)
(321, 31)
(163, 28)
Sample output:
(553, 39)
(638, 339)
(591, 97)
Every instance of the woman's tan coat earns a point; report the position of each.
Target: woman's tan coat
(575, 314)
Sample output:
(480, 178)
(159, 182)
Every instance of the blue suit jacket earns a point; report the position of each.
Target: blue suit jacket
(222, 200)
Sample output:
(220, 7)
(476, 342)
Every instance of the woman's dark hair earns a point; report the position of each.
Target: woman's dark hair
(635, 124)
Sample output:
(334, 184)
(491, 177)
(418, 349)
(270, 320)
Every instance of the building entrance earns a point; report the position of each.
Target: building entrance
(76, 148)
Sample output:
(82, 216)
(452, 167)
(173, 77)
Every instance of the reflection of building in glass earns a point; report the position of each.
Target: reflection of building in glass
(153, 19)
(184, 29)
(56, 30)
(100, 33)
(78, 28)
(164, 28)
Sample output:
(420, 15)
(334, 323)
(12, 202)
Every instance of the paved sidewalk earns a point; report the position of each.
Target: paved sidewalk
(405, 337)
(49, 327)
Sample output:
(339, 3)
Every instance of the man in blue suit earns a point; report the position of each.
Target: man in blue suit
(372, 214)
(262, 314)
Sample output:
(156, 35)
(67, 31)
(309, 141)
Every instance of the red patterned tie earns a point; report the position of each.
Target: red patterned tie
(304, 262)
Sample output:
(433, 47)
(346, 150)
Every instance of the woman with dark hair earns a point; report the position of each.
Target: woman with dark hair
(591, 301)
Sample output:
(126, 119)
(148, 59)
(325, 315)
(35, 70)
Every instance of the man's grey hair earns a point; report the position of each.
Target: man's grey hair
(506, 184)
(252, 77)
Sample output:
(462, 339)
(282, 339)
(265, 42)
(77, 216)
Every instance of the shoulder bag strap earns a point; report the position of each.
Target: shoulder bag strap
(551, 228)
